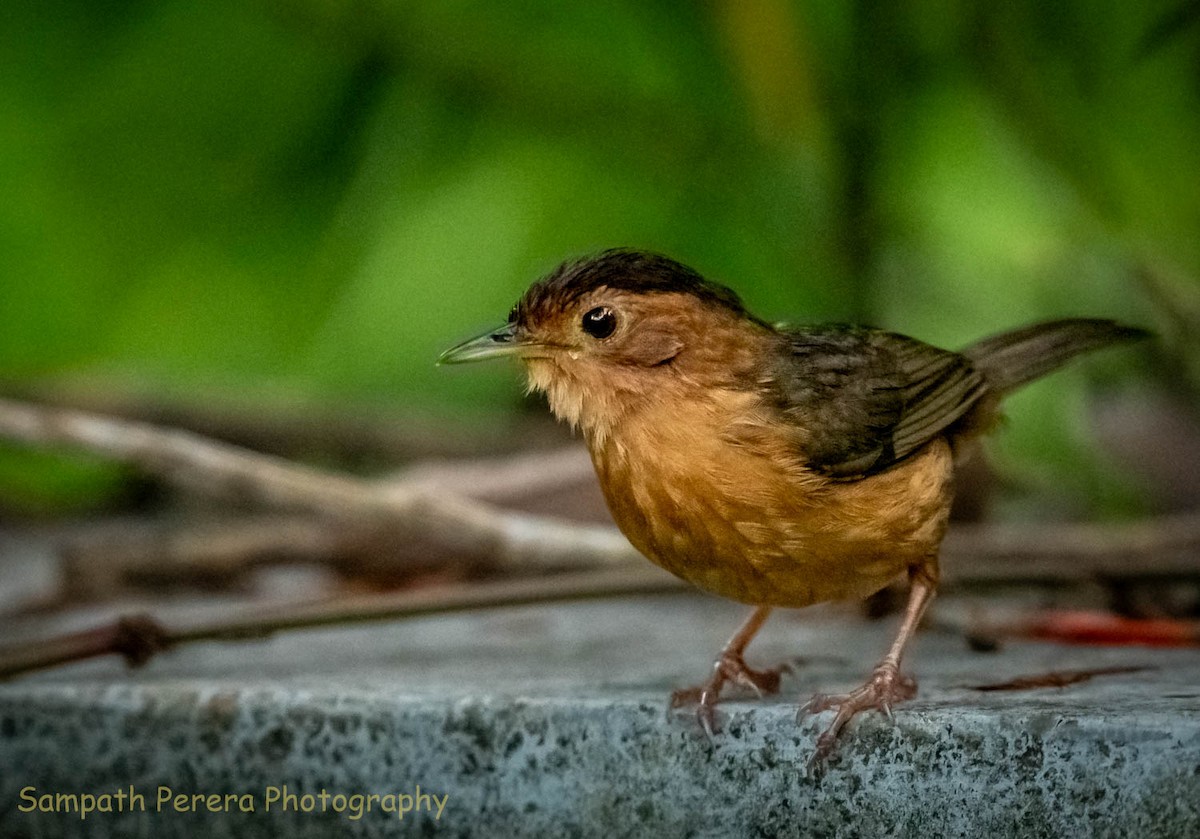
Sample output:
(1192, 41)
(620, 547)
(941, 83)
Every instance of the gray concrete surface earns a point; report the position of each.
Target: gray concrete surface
(551, 721)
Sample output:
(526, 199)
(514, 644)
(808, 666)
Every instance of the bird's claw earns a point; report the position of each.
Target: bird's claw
(728, 668)
(762, 682)
(817, 703)
(886, 707)
(886, 687)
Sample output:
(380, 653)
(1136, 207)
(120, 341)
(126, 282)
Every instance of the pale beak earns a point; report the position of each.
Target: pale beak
(498, 342)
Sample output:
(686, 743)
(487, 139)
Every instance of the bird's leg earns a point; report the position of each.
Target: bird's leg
(729, 666)
(887, 685)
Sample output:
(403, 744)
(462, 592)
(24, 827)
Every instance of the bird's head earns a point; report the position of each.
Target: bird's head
(604, 334)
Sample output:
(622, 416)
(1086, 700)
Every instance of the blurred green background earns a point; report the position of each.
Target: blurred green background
(306, 200)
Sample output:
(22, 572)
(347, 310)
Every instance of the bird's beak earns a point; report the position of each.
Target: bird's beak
(498, 342)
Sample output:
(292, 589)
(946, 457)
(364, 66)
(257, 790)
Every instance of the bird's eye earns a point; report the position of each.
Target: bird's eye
(599, 322)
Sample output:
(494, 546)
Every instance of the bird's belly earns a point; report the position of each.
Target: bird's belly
(765, 538)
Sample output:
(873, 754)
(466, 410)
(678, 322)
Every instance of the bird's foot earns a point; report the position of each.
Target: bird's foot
(886, 687)
(728, 668)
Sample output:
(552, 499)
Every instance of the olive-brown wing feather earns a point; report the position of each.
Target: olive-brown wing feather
(863, 399)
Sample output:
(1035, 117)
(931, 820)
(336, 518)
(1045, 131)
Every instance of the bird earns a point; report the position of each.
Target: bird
(773, 465)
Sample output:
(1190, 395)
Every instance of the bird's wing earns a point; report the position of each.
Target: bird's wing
(862, 399)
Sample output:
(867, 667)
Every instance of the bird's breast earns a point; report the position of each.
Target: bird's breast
(736, 515)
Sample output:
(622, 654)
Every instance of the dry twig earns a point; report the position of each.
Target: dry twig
(425, 520)
(139, 637)
(1065, 553)
(1056, 679)
(288, 427)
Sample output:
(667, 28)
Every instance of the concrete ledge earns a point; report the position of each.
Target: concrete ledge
(550, 721)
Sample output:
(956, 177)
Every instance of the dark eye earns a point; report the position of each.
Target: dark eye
(600, 322)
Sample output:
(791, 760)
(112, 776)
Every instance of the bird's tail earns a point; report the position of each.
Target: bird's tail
(1011, 359)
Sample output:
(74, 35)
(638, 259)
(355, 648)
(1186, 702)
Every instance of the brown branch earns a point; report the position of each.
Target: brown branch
(1065, 553)
(103, 559)
(410, 514)
(113, 556)
(510, 480)
(193, 462)
(290, 427)
(139, 637)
